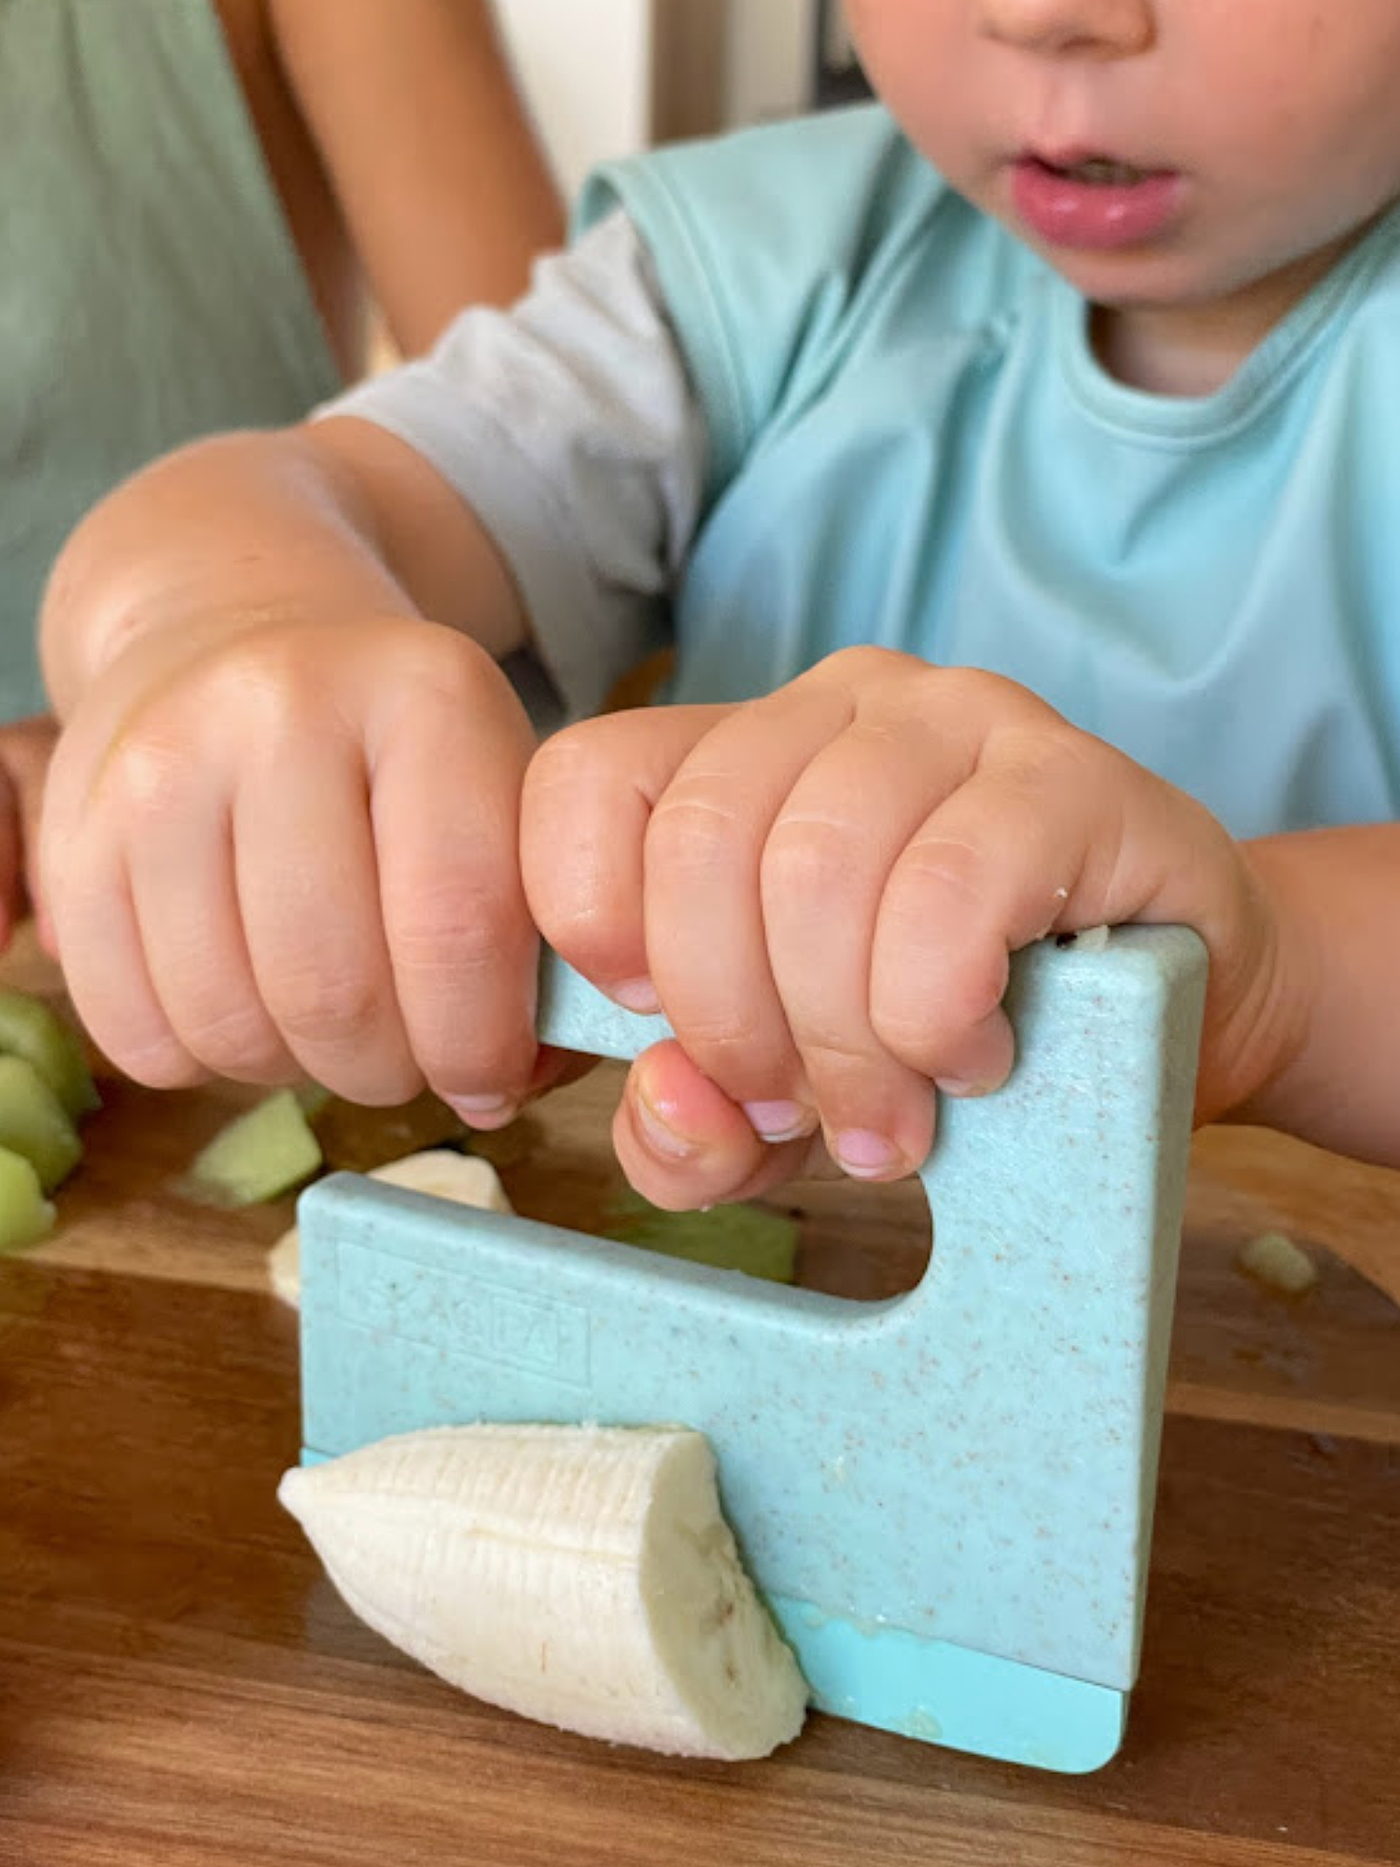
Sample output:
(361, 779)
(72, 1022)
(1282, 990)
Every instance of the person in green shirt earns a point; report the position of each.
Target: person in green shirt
(200, 201)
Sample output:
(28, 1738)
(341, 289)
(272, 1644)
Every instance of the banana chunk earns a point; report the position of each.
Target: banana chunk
(465, 1179)
(1276, 1262)
(582, 1576)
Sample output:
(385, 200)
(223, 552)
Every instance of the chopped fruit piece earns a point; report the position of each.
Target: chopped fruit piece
(441, 1171)
(732, 1238)
(25, 1215)
(33, 1122)
(580, 1575)
(33, 1030)
(258, 1156)
(1276, 1261)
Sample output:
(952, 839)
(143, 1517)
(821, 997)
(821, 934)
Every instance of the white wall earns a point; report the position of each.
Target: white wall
(768, 64)
(585, 68)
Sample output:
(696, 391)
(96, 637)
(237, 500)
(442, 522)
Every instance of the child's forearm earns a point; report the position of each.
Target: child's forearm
(432, 156)
(337, 518)
(1337, 895)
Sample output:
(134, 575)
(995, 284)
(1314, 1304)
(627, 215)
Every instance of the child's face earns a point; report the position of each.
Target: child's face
(1257, 137)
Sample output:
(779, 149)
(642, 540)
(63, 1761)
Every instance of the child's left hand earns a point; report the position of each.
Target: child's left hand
(823, 888)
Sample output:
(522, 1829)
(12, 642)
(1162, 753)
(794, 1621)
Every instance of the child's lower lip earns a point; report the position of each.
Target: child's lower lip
(1092, 216)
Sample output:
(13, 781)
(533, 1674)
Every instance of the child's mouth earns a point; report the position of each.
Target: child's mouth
(1099, 171)
(1095, 202)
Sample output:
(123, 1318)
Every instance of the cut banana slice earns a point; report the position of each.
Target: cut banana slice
(463, 1178)
(1278, 1263)
(579, 1575)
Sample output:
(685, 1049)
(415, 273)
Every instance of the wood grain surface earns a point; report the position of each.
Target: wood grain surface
(179, 1685)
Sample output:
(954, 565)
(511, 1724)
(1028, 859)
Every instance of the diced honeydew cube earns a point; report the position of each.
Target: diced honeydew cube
(25, 1215)
(33, 1122)
(257, 1156)
(33, 1030)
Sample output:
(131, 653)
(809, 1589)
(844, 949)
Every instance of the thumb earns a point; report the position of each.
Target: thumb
(683, 1144)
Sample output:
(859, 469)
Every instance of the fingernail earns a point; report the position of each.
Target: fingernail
(955, 1086)
(866, 1155)
(778, 1121)
(483, 1111)
(636, 995)
(662, 1139)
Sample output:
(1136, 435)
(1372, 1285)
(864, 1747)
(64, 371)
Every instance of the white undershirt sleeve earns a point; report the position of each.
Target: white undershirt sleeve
(570, 426)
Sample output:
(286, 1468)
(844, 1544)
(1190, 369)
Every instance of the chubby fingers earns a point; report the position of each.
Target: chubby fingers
(826, 886)
(705, 850)
(447, 759)
(643, 836)
(586, 809)
(290, 857)
(1057, 831)
(587, 816)
(90, 897)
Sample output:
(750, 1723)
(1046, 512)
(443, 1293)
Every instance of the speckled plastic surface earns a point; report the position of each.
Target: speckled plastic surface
(947, 1498)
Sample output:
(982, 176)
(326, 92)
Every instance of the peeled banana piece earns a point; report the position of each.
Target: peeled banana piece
(465, 1179)
(578, 1575)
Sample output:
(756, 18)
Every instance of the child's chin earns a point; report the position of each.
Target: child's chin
(1135, 281)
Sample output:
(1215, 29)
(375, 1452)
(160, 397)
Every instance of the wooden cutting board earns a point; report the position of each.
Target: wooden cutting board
(180, 1687)
(1329, 1360)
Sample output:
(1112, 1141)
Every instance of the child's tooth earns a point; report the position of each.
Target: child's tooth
(1103, 169)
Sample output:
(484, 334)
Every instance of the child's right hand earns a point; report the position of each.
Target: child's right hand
(288, 847)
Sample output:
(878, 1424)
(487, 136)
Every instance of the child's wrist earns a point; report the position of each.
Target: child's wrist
(1255, 1072)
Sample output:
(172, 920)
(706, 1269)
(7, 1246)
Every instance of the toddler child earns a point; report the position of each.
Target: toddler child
(1014, 464)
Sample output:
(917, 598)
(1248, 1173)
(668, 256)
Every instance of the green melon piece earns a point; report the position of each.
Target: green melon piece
(33, 1122)
(25, 1215)
(33, 1030)
(732, 1238)
(257, 1156)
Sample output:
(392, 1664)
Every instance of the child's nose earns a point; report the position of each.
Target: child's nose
(1092, 28)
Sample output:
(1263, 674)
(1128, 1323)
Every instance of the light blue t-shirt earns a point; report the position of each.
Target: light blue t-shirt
(789, 393)
(912, 444)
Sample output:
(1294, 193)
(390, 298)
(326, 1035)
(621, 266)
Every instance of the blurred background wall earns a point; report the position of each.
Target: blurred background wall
(607, 77)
